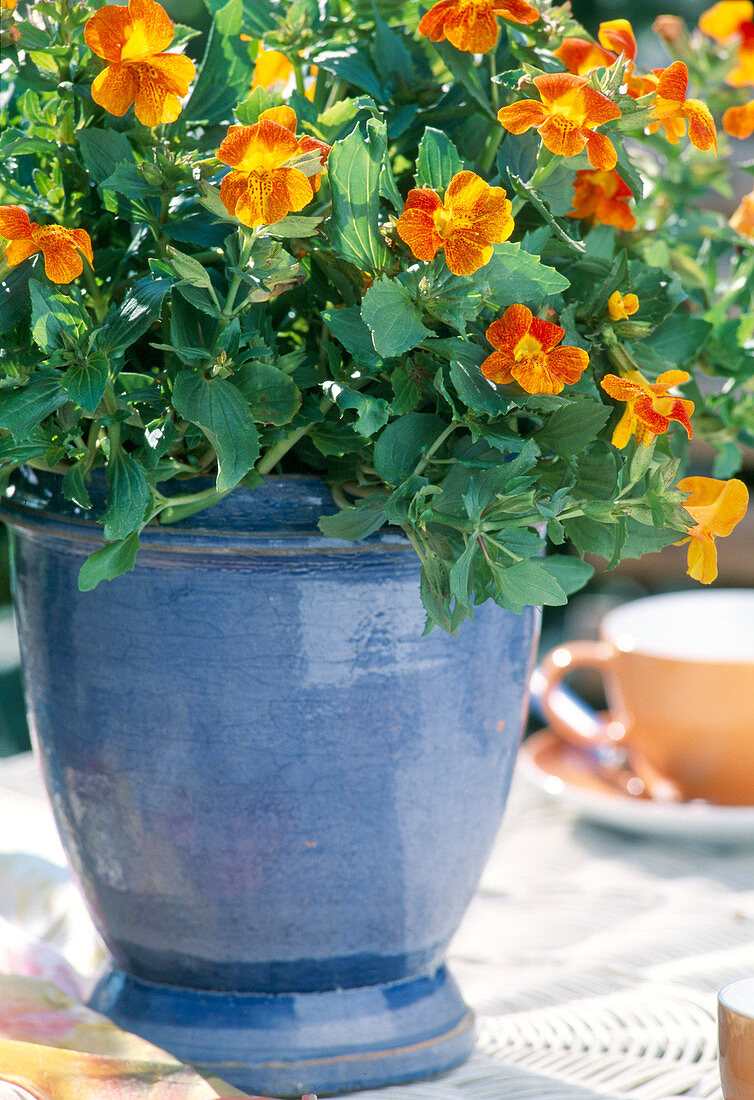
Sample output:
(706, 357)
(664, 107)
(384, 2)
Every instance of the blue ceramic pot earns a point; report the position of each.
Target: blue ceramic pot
(276, 795)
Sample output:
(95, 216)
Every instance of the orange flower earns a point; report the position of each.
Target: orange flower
(272, 69)
(581, 56)
(470, 24)
(649, 409)
(739, 121)
(286, 116)
(264, 188)
(726, 19)
(669, 27)
(8, 5)
(472, 218)
(62, 248)
(618, 35)
(622, 306)
(671, 109)
(742, 219)
(715, 507)
(566, 118)
(603, 198)
(526, 353)
(132, 39)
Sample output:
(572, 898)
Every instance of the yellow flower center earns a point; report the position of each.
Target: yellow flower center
(528, 347)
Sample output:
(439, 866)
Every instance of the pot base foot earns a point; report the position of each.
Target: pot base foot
(289, 1044)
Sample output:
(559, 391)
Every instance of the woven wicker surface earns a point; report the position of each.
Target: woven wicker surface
(592, 958)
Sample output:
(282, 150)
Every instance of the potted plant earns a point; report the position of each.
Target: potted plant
(345, 312)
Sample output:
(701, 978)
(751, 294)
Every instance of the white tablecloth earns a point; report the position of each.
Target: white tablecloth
(592, 959)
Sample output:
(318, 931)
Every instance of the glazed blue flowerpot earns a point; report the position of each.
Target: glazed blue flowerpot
(276, 795)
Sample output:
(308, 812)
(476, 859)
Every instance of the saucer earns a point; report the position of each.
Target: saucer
(571, 776)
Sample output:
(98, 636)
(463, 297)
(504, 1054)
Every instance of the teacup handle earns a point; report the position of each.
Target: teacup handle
(573, 721)
(564, 713)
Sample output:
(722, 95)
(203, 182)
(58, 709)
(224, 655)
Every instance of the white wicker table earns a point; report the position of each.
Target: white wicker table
(592, 959)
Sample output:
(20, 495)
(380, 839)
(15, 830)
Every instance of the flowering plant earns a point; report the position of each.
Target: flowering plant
(458, 261)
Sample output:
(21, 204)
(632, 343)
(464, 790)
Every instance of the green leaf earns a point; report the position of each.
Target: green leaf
(516, 276)
(570, 428)
(109, 562)
(52, 315)
(407, 392)
(22, 409)
(126, 179)
(356, 522)
(14, 297)
(136, 314)
(250, 108)
(220, 410)
(85, 381)
(526, 584)
(74, 484)
(348, 327)
(128, 499)
(351, 64)
(542, 208)
(354, 169)
(570, 573)
(392, 316)
(224, 74)
(103, 150)
(461, 574)
(371, 412)
(402, 443)
(476, 392)
(188, 269)
(273, 395)
(295, 225)
(438, 160)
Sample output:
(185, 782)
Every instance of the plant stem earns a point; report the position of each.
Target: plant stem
(281, 448)
(299, 75)
(435, 447)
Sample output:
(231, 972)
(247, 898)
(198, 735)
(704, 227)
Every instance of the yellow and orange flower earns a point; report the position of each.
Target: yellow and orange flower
(62, 248)
(263, 187)
(622, 306)
(581, 57)
(272, 70)
(526, 353)
(742, 219)
(472, 218)
(728, 20)
(8, 5)
(672, 110)
(649, 407)
(132, 40)
(471, 25)
(739, 121)
(602, 198)
(670, 28)
(715, 507)
(566, 118)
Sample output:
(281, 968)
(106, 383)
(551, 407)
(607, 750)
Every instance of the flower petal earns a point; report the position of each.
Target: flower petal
(546, 333)
(601, 151)
(581, 56)
(739, 121)
(516, 118)
(62, 261)
(284, 116)
(231, 189)
(265, 145)
(701, 559)
(472, 27)
(153, 30)
(534, 376)
(271, 67)
(417, 228)
(742, 219)
(724, 19)
(20, 249)
(518, 11)
(497, 367)
(624, 429)
(432, 23)
(567, 363)
(673, 82)
(84, 244)
(555, 86)
(618, 35)
(106, 32)
(176, 71)
(465, 252)
(14, 222)
(268, 198)
(716, 505)
(154, 102)
(509, 330)
(115, 88)
(597, 107)
(702, 131)
(562, 137)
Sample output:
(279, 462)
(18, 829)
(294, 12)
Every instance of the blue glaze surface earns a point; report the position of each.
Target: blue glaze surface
(266, 780)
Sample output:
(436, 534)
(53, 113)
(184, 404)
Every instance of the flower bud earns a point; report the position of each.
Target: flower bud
(670, 28)
(633, 330)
